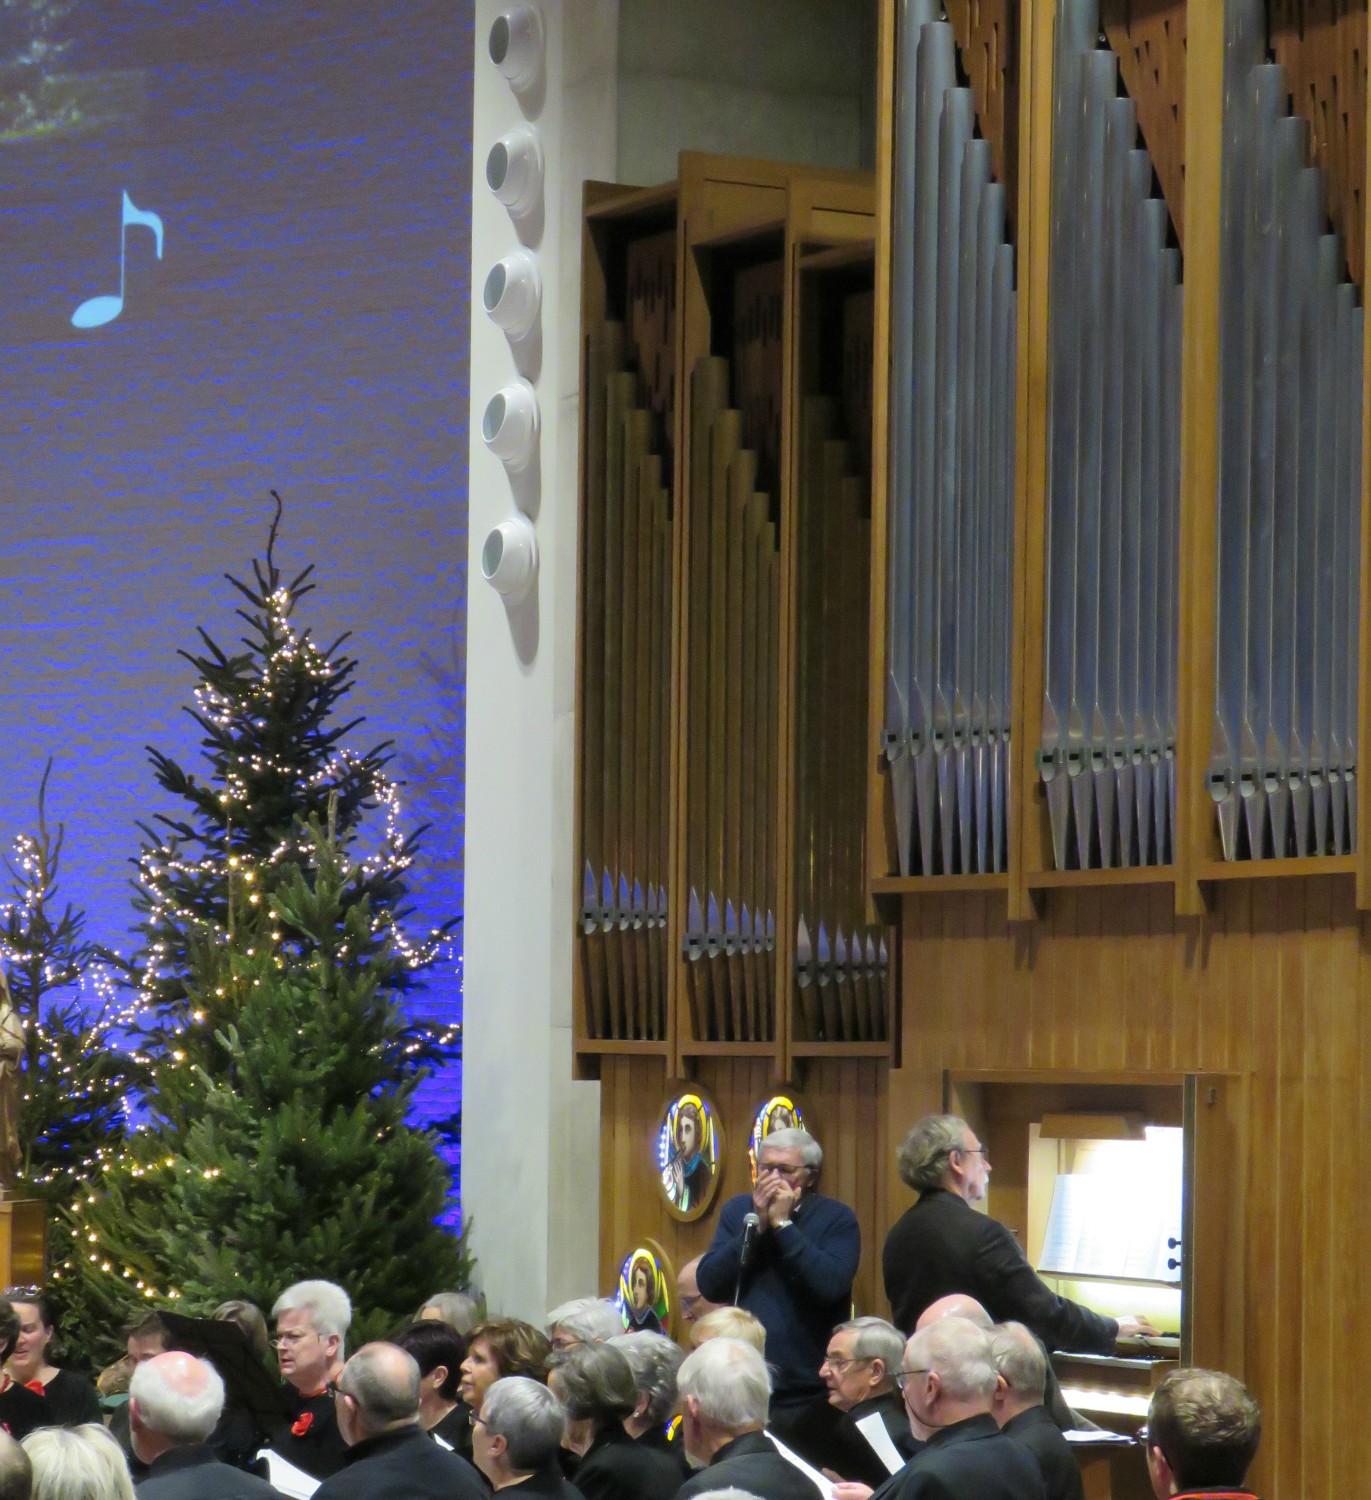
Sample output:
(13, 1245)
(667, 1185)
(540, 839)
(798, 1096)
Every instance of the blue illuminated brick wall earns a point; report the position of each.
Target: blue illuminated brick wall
(305, 330)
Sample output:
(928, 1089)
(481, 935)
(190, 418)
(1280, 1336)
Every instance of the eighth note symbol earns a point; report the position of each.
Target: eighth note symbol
(95, 312)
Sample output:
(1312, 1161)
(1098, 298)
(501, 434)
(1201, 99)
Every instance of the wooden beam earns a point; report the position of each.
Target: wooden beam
(1029, 839)
(1196, 840)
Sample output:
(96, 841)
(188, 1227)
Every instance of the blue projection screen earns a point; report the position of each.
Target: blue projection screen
(304, 170)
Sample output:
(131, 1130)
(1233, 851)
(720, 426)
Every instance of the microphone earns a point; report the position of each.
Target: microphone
(751, 1224)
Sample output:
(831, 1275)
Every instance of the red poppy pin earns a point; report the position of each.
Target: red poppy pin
(302, 1424)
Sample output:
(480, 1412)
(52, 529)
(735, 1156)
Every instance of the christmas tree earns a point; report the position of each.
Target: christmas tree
(77, 1070)
(293, 1158)
(275, 959)
(275, 756)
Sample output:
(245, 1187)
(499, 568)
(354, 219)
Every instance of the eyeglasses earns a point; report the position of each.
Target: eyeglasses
(779, 1170)
(902, 1379)
(291, 1340)
(974, 1151)
(839, 1365)
(332, 1388)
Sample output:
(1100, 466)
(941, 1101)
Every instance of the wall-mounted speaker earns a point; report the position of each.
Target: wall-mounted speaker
(509, 558)
(516, 44)
(510, 425)
(513, 293)
(514, 170)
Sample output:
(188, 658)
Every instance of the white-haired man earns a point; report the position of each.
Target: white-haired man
(583, 1320)
(312, 1319)
(801, 1257)
(725, 1391)
(175, 1401)
(1019, 1409)
(948, 1381)
(869, 1421)
(942, 1245)
(389, 1454)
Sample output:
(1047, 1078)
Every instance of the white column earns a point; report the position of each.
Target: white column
(530, 1162)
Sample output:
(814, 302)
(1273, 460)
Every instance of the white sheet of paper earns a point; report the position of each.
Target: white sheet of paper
(874, 1430)
(1098, 1226)
(284, 1476)
(824, 1486)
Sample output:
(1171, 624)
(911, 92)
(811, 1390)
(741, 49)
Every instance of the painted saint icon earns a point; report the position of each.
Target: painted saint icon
(643, 1292)
(688, 1150)
(780, 1112)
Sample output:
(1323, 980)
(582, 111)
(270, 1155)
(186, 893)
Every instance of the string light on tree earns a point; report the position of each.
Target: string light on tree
(274, 907)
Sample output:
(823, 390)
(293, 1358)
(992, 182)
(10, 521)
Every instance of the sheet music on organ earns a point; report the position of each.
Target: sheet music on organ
(1114, 1228)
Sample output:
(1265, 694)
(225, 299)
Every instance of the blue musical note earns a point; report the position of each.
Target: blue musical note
(95, 312)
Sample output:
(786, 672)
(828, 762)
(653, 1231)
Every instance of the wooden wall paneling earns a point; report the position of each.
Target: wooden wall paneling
(1344, 1234)
(1149, 37)
(1272, 988)
(979, 952)
(1319, 1033)
(1295, 1085)
(1134, 932)
(1030, 839)
(1285, 1355)
(848, 1098)
(632, 1092)
(1351, 1152)
(1266, 1336)
(1196, 838)
(1100, 994)
(1322, 46)
(1364, 655)
(1216, 1272)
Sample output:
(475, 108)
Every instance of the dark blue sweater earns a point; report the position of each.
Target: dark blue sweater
(798, 1284)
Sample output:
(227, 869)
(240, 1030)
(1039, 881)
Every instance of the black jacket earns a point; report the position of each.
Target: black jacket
(942, 1245)
(72, 1399)
(853, 1456)
(23, 1410)
(971, 1460)
(1036, 1430)
(614, 1467)
(309, 1436)
(752, 1464)
(667, 1440)
(455, 1430)
(194, 1473)
(403, 1465)
(827, 1438)
(548, 1484)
